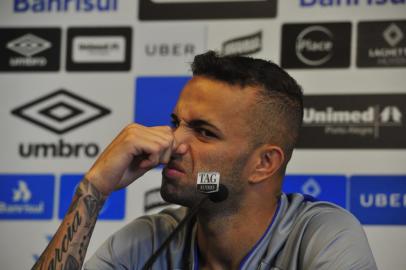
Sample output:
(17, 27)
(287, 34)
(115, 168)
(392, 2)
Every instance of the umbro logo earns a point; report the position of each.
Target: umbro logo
(29, 45)
(60, 111)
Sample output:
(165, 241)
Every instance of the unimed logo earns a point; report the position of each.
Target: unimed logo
(205, 9)
(26, 196)
(379, 199)
(368, 121)
(59, 112)
(113, 208)
(92, 49)
(29, 49)
(381, 44)
(322, 45)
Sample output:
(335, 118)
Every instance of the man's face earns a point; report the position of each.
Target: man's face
(211, 119)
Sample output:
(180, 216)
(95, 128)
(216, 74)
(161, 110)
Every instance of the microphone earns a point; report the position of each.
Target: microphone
(215, 197)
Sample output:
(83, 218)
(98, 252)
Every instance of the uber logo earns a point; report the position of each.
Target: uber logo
(29, 49)
(91, 49)
(323, 45)
(381, 44)
(379, 199)
(205, 9)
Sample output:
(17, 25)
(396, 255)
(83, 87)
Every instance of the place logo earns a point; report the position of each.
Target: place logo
(205, 9)
(245, 45)
(99, 49)
(368, 121)
(349, 3)
(29, 49)
(26, 196)
(379, 199)
(147, 89)
(60, 112)
(153, 201)
(321, 45)
(113, 208)
(381, 44)
(330, 188)
(62, 6)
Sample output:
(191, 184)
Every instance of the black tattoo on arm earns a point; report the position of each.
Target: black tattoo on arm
(68, 247)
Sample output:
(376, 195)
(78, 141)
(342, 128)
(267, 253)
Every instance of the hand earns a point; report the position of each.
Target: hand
(136, 150)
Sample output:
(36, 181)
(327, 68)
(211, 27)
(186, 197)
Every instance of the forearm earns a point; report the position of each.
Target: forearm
(68, 247)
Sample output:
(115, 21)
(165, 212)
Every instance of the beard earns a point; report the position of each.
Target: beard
(185, 192)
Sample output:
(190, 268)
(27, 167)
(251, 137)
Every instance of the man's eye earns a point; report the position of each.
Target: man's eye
(205, 133)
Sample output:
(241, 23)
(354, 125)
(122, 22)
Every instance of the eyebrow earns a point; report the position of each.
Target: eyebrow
(198, 123)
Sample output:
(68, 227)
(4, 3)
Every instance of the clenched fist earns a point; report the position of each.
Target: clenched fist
(136, 150)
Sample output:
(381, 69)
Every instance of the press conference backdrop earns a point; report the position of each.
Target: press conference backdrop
(74, 72)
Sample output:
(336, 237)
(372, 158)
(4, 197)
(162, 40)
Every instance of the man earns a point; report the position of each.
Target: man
(237, 116)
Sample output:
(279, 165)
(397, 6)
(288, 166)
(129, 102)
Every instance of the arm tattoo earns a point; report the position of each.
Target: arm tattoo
(68, 247)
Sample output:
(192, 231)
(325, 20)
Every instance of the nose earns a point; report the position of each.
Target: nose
(181, 140)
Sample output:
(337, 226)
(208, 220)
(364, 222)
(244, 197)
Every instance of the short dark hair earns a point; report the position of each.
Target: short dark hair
(278, 112)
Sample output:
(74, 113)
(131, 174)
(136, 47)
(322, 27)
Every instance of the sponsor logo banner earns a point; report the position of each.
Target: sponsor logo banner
(205, 9)
(368, 121)
(113, 209)
(156, 92)
(379, 199)
(349, 3)
(381, 44)
(30, 49)
(169, 47)
(330, 188)
(60, 112)
(321, 45)
(99, 49)
(58, 6)
(26, 196)
(244, 45)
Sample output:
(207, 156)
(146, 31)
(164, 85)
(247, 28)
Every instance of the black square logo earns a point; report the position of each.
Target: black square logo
(99, 49)
(209, 9)
(375, 121)
(321, 45)
(381, 44)
(30, 49)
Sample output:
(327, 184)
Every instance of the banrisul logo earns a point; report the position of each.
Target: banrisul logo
(113, 208)
(323, 45)
(62, 6)
(330, 188)
(205, 9)
(99, 48)
(244, 45)
(29, 49)
(59, 112)
(26, 196)
(381, 44)
(368, 121)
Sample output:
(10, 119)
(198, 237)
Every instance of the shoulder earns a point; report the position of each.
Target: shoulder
(136, 241)
(331, 238)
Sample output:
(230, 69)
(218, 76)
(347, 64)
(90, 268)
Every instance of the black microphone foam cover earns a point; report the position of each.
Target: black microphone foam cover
(220, 195)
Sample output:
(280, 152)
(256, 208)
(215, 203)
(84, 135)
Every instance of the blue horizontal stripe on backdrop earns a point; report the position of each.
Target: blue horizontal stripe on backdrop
(379, 199)
(113, 209)
(331, 188)
(26, 196)
(155, 98)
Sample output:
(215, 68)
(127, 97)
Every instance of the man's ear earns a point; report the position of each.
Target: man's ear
(267, 161)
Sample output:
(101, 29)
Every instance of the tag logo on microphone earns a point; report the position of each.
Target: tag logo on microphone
(208, 182)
